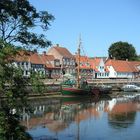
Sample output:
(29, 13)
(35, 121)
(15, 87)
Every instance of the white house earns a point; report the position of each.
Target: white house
(100, 69)
(122, 69)
(29, 61)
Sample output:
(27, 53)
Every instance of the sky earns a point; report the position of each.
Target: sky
(99, 22)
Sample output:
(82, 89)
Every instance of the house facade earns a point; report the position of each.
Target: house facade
(23, 62)
(30, 62)
(67, 61)
(59, 61)
(123, 69)
(86, 71)
(37, 64)
(93, 68)
(52, 66)
(100, 71)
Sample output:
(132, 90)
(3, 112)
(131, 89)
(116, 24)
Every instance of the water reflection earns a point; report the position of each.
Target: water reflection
(74, 118)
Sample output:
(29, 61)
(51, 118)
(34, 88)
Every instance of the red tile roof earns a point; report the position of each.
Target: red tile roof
(63, 51)
(32, 57)
(134, 65)
(93, 63)
(47, 59)
(84, 62)
(123, 66)
(35, 58)
(22, 56)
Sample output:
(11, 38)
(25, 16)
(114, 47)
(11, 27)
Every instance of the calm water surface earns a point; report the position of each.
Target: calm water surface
(84, 119)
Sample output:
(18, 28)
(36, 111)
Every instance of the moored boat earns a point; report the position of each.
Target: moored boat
(80, 88)
(105, 89)
(131, 88)
(75, 91)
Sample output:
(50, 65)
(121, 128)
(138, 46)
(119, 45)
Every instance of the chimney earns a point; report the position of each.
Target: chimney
(57, 45)
(114, 58)
(126, 59)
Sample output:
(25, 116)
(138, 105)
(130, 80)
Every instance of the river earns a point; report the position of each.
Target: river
(84, 118)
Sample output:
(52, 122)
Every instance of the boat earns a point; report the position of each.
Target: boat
(105, 89)
(131, 88)
(79, 88)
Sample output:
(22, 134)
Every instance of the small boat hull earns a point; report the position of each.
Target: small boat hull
(130, 88)
(75, 91)
(102, 89)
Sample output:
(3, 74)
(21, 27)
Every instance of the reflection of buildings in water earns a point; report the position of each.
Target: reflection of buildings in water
(122, 114)
(39, 107)
(111, 104)
(56, 117)
(47, 115)
(122, 120)
(128, 99)
(100, 107)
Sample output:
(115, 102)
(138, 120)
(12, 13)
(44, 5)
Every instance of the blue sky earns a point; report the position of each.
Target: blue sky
(100, 23)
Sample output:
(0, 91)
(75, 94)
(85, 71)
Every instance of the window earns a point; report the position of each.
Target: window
(26, 72)
(64, 61)
(81, 64)
(18, 63)
(26, 63)
(57, 63)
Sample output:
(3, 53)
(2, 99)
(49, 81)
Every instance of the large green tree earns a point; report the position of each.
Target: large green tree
(18, 23)
(122, 51)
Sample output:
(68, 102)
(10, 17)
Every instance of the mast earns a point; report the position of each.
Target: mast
(78, 64)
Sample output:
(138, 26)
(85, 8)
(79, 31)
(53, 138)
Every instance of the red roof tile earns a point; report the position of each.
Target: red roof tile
(63, 51)
(32, 57)
(22, 56)
(122, 66)
(35, 58)
(47, 60)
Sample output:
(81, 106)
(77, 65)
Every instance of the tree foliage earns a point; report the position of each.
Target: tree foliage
(122, 51)
(18, 21)
(13, 88)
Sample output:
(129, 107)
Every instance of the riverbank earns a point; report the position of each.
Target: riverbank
(115, 94)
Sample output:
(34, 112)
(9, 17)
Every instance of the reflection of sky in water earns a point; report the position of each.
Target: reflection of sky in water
(94, 127)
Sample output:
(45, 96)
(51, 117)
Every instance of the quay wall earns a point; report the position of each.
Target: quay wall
(115, 83)
(53, 87)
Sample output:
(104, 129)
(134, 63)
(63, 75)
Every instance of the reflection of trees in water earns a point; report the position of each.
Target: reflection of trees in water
(122, 120)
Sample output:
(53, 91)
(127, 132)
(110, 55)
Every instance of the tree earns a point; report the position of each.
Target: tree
(122, 51)
(18, 21)
(138, 57)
